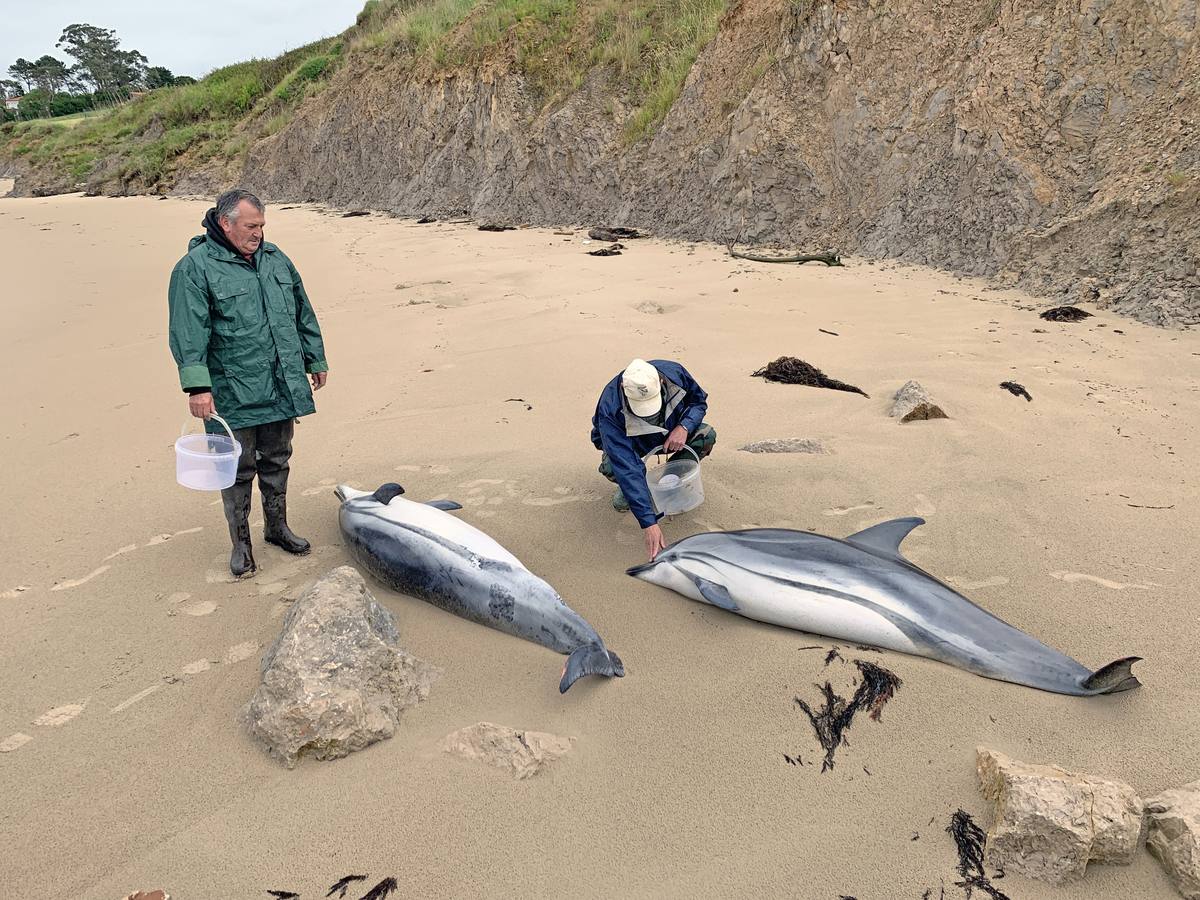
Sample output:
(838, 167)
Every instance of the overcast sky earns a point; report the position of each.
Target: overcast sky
(189, 38)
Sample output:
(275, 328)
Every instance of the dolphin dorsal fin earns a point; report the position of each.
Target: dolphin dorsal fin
(886, 536)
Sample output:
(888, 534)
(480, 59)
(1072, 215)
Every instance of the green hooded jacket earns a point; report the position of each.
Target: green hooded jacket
(248, 332)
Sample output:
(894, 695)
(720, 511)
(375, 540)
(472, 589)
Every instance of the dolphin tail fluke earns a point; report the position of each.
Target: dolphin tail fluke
(590, 659)
(1116, 676)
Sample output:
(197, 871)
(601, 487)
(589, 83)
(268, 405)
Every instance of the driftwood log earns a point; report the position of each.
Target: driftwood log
(830, 259)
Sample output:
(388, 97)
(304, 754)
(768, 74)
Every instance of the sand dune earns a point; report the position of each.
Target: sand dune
(126, 651)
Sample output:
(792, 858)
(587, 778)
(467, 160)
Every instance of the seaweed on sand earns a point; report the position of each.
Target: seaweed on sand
(1065, 314)
(343, 884)
(1017, 390)
(969, 838)
(381, 890)
(790, 370)
(835, 717)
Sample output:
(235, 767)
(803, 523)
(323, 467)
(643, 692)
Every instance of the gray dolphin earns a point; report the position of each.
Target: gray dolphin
(861, 589)
(419, 549)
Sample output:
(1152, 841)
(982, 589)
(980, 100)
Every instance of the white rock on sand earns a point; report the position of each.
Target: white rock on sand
(335, 680)
(1050, 822)
(786, 445)
(1174, 820)
(521, 753)
(908, 398)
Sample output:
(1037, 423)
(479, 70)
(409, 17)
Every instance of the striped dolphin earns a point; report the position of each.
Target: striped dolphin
(862, 589)
(419, 549)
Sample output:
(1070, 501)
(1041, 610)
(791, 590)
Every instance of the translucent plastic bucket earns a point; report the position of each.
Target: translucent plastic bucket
(675, 486)
(207, 462)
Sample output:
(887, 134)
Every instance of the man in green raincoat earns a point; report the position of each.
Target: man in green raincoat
(245, 337)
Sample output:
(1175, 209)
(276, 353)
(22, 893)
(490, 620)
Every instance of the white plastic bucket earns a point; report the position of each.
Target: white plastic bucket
(682, 490)
(207, 462)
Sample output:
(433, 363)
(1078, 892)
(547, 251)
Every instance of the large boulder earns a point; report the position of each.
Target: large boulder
(335, 680)
(520, 753)
(1174, 819)
(1049, 822)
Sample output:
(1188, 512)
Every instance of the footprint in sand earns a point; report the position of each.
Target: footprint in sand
(564, 495)
(324, 486)
(846, 510)
(244, 650)
(195, 668)
(139, 696)
(478, 483)
(288, 566)
(968, 585)
(218, 572)
(428, 470)
(163, 538)
(627, 538)
(178, 597)
(1072, 577)
(67, 585)
(275, 587)
(60, 715)
(199, 608)
(14, 742)
(924, 506)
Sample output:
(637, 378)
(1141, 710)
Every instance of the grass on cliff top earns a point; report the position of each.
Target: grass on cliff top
(649, 46)
(142, 141)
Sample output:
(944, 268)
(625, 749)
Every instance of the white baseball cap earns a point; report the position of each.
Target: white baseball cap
(642, 388)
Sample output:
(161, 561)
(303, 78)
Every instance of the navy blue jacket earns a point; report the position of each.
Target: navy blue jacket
(626, 438)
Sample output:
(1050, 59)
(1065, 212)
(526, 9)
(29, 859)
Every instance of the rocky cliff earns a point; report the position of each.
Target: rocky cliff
(1050, 145)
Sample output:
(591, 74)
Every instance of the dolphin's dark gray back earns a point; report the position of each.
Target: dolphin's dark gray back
(868, 574)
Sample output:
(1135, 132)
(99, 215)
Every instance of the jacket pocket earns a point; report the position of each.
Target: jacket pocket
(234, 307)
(249, 386)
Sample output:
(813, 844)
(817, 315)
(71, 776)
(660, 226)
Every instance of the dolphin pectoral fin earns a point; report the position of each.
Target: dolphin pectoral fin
(590, 659)
(714, 593)
(1116, 676)
(885, 537)
(446, 505)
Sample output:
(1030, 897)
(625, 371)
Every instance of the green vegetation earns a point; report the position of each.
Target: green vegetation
(644, 47)
(144, 140)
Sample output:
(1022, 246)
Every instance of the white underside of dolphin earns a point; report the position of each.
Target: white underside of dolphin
(422, 550)
(861, 589)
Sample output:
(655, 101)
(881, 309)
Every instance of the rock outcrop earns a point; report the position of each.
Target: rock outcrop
(1174, 820)
(1051, 146)
(1049, 823)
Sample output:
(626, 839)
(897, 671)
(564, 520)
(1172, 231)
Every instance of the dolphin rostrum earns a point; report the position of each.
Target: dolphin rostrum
(419, 549)
(861, 589)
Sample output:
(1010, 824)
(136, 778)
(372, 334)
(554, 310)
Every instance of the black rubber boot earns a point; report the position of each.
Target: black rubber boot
(237, 513)
(274, 451)
(275, 530)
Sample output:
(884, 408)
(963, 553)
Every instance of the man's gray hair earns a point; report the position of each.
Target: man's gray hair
(227, 203)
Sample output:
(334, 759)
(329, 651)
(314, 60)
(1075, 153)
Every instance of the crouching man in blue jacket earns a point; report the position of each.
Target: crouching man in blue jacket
(650, 404)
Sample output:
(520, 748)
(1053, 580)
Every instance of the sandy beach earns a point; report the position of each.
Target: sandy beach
(126, 650)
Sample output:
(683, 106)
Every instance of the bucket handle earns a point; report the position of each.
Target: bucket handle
(663, 447)
(224, 424)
